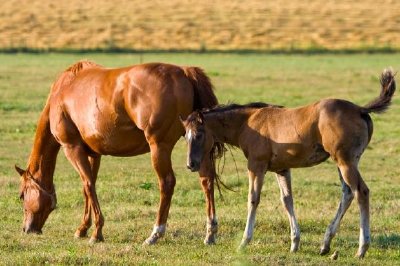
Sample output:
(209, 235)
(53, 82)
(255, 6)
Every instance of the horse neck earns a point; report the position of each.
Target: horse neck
(42, 160)
(226, 126)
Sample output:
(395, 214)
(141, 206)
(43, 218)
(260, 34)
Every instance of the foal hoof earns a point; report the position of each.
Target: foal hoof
(324, 251)
(294, 247)
(243, 244)
(209, 240)
(361, 251)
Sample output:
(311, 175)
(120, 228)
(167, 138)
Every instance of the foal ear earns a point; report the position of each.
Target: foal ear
(200, 118)
(181, 119)
(19, 170)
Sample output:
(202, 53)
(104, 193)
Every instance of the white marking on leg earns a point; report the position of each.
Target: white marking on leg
(157, 233)
(159, 229)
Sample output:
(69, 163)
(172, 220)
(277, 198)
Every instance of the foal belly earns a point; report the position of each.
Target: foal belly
(297, 156)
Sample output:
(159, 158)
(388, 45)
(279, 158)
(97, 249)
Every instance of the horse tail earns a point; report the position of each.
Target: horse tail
(382, 102)
(204, 96)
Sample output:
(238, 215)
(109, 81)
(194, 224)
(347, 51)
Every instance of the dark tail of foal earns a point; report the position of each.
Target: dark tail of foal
(382, 103)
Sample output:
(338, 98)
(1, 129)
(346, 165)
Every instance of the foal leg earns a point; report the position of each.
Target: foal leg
(353, 179)
(285, 186)
(347, 198)
(78, 157)
(206, 174)
(161, 160)
(256, 174)
(87, 216)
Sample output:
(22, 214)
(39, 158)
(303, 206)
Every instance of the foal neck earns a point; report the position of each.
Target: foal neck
(226, 126)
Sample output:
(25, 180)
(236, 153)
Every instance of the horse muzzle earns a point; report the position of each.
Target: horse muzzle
(30, 230)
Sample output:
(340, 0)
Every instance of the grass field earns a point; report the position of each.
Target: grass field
(200, 25)
(127, 187)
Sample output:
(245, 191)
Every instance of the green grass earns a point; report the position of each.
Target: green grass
(127, 187)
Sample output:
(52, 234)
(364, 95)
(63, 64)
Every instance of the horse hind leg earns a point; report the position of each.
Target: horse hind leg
(87, 216)
(347, 198)
(285, 186)
(357, 185)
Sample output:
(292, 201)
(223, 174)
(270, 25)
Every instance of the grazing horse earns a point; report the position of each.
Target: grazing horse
(93, 111)
(276, 139)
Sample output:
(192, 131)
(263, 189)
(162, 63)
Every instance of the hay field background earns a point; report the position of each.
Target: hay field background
(200, 25)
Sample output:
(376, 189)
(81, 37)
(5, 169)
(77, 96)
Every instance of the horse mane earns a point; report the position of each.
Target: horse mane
(234, 106)
(80, 65)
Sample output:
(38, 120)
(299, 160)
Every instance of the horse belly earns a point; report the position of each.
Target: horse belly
(118, 141)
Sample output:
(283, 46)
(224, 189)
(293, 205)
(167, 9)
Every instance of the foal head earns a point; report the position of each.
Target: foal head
(199, 139)
(38, 203)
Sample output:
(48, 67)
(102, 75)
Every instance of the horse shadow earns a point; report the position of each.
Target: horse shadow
(385, 241)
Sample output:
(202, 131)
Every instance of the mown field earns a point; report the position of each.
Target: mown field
(200, 25)
(127, 187)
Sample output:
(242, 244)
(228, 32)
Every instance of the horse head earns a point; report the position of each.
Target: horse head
(38, 202)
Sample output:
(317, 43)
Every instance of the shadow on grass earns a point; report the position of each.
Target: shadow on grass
(385, 241)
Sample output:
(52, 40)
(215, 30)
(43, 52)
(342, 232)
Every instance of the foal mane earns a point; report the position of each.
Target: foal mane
(221, 108)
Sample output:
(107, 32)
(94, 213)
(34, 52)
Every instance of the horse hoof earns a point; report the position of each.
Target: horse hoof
(324, 251)
(80, 234)
(94, 240)
(150, 241)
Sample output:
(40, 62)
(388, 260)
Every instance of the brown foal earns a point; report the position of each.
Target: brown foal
(93, 111)
(276, 139)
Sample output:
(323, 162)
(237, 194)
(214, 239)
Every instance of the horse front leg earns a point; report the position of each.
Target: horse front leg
(87, 216)
(285, 186)
(161, 160)
(347, 198)
(78, 157)
(256, 172)
(207, 177)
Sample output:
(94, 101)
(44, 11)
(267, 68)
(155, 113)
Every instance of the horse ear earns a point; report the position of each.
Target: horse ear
(19, 170)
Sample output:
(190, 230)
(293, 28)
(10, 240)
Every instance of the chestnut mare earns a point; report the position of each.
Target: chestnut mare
(93, 111)
(276, 139)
